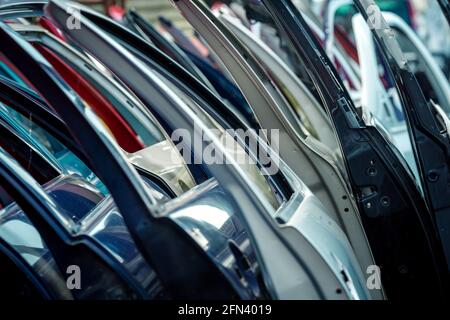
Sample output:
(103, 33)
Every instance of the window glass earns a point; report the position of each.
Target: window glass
(68, 161)
(249, 165)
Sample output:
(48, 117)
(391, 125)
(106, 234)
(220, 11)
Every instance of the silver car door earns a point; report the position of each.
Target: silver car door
(307, 158)
(137, 206)
(308, 105)
(407, 36)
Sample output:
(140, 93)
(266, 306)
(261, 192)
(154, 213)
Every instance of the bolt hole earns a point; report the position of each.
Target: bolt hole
(433, 176)
(385, 201)
(372, 172)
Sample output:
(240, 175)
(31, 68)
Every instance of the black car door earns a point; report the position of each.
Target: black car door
(257, 218)
(445, 6)
(397, 219)
(100, 269)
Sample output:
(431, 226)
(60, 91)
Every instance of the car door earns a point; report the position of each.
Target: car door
(387, 196)
(145, 84)
(43, 220)
(139, 25)
(424, 67)
(21, 281)
(156, 155)
(310, 160)
(135, 204)
(431, 144)
(308, 107)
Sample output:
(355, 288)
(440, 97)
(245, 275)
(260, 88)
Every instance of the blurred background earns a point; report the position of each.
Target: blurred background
(423, 15)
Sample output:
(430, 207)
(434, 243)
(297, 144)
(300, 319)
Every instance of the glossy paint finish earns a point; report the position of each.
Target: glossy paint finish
(204, 212)
(57, 233)
(364, 147)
